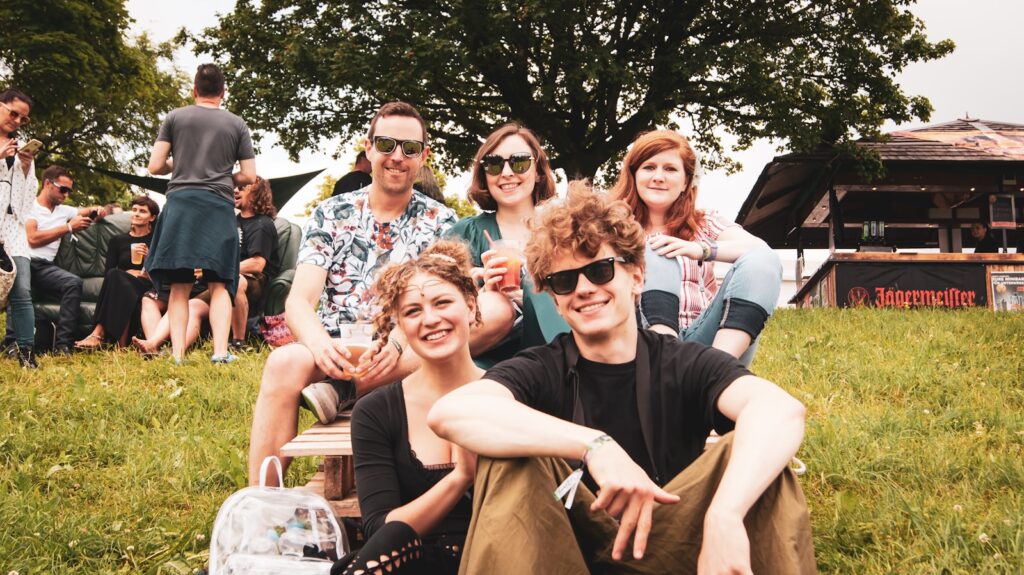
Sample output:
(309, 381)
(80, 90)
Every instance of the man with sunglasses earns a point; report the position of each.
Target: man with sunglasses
(17, 196)
(45, 228)
(633, 409)
(346, 242)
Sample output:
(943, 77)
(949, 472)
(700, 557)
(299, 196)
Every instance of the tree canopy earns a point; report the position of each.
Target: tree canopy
(588, 77)
(97, 96)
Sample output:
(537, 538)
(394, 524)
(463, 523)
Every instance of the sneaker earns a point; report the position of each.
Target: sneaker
(61, 350)
(226, 358)
(27, 358)
(326, 399)
(10, 349)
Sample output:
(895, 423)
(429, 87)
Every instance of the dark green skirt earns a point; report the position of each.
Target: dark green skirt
(196, 229)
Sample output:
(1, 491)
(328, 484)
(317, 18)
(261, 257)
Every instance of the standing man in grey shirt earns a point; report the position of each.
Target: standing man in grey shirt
(196, 229)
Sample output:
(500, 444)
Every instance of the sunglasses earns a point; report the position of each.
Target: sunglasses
(63, 189)
(17, 116)
(493, 163)
(597, 273)
(386, 145)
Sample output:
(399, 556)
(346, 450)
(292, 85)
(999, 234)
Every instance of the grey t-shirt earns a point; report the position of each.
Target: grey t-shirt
(205, 144)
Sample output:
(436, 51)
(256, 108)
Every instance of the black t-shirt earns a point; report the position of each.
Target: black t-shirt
(686, 379)
(388, 474)
(352, 181)
(609, 404)
(119, 253)
(258, 237)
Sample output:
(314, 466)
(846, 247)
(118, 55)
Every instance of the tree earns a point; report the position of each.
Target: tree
(97, 96)
(587, 76)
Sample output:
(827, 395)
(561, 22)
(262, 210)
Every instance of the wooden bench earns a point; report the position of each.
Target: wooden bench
(335, 479)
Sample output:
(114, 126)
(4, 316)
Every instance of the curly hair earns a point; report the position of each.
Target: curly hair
(543, 189)
(262, 198)
(448, 260)
(580, 224)
(683, 218)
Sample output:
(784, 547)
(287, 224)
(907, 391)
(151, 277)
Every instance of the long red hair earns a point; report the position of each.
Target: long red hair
(683, 218)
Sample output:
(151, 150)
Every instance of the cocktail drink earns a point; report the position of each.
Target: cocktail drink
(512, 250)
(356, 337)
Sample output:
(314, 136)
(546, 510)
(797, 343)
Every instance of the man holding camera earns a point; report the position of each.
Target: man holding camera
(45, 226)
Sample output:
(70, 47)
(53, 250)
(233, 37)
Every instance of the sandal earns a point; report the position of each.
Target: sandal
(84, 343)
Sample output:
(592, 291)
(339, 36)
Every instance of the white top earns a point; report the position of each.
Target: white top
(19, 192)
(59, 217)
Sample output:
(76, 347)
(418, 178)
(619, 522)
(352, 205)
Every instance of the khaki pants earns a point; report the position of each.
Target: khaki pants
(519, 527)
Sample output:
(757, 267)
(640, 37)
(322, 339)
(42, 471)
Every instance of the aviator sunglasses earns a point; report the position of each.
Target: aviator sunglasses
(493, 163)
(386, 145)
(17, 116)
(597, 273)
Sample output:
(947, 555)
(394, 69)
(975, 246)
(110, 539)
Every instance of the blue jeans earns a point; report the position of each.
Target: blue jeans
(755, 278)
(21, 318)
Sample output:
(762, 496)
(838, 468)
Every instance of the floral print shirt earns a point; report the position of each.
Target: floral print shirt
(345, 239)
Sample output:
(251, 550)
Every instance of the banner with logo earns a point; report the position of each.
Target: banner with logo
(906, 285)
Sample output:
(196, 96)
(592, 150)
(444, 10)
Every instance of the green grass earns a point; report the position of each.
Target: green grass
(111, 464)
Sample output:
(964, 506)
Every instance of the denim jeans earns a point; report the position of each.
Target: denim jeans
(48, 278)
(755, 277)
(21, 318)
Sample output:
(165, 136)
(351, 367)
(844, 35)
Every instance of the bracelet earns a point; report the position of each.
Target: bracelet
(594, 445)
(398, 346)
(70, 229)
(705, 251)
(714, 251)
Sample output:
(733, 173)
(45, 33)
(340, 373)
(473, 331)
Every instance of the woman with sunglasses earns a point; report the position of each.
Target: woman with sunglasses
(412, 485)
(511, 176)
(659, 182)
(125, 282)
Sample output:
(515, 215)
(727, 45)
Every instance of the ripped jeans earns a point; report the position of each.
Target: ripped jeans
(745, 298)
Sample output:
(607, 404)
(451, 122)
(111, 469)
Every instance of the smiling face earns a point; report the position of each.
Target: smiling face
(395, 173)
(599, 311)
(508, 188)
(435, 316)
(660, 180)
(141, 217)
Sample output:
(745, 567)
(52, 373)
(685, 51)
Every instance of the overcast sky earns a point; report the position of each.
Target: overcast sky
(981, 77)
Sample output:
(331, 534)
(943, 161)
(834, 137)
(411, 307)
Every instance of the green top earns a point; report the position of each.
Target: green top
(541, 321)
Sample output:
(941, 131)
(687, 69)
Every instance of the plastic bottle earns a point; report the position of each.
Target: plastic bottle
(293, 539)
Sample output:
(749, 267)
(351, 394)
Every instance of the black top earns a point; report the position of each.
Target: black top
(352, 181)
(258, 237)
(388, 474)
(685, 381)
(119, 254)
(988, 244)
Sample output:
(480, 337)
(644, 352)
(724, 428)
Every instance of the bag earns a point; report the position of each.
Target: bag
(7, 274)
(275, 331)
(273, 530)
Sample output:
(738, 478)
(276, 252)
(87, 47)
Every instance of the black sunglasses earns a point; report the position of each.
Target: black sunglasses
(597, 273)
(63, 189)
(493, 163)
(386, 145)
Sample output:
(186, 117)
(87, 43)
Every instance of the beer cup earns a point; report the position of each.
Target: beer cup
(513, 250)
(136, 251)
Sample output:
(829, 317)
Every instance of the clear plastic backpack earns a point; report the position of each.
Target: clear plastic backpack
(272, 530)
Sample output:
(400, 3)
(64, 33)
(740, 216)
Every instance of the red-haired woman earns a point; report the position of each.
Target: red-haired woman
(659, 182)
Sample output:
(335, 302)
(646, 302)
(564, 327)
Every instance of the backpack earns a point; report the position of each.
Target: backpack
(273, 530)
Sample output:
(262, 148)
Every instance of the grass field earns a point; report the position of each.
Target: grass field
(112, 464)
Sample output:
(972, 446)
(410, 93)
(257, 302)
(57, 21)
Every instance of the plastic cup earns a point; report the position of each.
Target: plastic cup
(356, 337)
(136, 250)
(512, 250)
